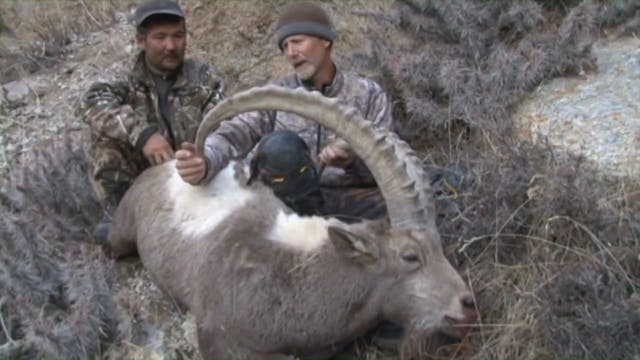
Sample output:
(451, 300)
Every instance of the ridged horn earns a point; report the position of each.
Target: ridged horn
(398, 172)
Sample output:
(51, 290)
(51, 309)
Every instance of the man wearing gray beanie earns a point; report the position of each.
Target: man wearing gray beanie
(303, 18)
(305, 36)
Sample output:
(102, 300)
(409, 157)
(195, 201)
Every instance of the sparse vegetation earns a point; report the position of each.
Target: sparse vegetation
(42, 31)
(550, 245)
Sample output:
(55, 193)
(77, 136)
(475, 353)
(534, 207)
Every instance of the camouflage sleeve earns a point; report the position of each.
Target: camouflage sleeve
(235, 138)
(107, 111)
(380, 113)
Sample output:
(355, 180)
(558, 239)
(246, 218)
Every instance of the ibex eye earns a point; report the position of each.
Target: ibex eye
(277, 179)
(303, 169)
(410, 257)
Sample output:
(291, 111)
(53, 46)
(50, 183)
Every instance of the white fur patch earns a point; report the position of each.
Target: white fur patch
(300, 233)
(199, 209)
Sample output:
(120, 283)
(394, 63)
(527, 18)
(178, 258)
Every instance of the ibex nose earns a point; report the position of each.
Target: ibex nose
(469, 309)
(467, 301)
(459, 325)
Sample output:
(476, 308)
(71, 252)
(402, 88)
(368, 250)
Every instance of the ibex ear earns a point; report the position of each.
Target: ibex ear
(354, 247)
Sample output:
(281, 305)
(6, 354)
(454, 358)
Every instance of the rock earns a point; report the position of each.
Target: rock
(18, 92)
(594, 115)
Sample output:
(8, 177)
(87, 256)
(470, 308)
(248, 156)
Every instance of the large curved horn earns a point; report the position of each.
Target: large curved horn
(397, 170)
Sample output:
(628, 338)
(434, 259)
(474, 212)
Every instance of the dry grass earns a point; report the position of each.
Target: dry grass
(551, 248)
(36, 35)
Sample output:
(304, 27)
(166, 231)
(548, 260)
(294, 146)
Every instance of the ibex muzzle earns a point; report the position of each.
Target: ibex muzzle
(263, 281)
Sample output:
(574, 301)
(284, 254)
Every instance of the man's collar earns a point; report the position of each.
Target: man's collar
(162, 74)
(329, 90)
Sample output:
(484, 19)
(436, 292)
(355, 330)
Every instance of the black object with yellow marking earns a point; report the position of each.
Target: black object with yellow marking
(283, 162)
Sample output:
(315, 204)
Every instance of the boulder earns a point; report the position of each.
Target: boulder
(593, 115)
(18, 92)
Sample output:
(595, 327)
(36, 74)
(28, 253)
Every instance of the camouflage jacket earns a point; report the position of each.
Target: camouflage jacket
(235, 138)
(127, 109)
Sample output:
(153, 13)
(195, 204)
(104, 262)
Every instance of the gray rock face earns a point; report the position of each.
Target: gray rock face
(595, 115)
(17, 92)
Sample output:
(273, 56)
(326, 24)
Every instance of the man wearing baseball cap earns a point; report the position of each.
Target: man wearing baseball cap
(305, 36)
(140, 118)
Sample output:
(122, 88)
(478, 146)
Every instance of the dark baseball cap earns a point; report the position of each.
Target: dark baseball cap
(157, 7)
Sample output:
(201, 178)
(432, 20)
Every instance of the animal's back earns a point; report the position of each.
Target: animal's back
(173, 225)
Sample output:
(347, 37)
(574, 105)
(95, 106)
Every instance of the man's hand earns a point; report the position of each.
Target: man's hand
(338, 153)
(157, 150)
(191, 167)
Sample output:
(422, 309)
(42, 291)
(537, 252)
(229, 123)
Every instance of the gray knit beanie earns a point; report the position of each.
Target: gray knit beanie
(303, 18)
(157, 7)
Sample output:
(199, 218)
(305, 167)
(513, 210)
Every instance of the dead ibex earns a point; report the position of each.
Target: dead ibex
(263, 281)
